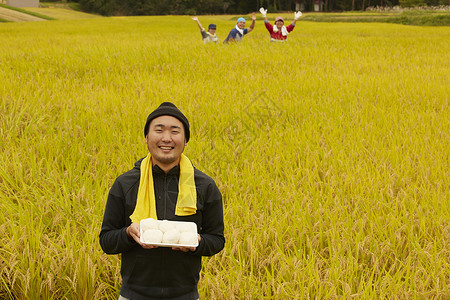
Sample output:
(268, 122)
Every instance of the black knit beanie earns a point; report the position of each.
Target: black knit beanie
(168, 109)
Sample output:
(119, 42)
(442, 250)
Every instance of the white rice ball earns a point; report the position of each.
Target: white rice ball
(149, 224)
(152, 236)
(166, 225)
(171, 237)
(188, 238)
(186, 227)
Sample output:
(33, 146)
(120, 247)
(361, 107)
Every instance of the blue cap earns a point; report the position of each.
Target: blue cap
(212, 26)
(241, 20)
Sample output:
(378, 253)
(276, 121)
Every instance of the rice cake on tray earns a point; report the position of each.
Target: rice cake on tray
(165, 233)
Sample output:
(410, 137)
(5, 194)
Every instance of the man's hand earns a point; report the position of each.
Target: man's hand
(263, 12)
(186, 249)
(254, 16)
(297, 15)
(134, 232)
(195, 18)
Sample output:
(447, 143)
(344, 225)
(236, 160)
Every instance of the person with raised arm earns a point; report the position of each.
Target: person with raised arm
(210, 35)
(279, 32)
(237, 33)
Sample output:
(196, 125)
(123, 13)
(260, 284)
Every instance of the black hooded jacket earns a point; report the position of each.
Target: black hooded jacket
(161, 273)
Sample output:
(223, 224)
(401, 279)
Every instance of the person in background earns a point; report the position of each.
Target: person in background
(210, 35)
(162, 185)
(279, 32)
(237, 33)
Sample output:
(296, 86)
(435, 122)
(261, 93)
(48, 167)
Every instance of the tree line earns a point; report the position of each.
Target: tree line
(199, 7)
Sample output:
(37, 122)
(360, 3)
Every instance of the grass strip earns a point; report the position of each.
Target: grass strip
(405, 18)
(67, 5)
(27, 12)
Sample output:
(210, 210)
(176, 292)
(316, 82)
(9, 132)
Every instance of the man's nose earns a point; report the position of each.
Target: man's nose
(166, 136)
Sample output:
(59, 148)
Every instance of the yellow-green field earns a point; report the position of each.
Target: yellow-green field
(332, 152)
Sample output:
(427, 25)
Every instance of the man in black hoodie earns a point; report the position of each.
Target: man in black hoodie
(151, 272)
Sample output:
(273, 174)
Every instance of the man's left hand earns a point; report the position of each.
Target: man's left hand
(186, 249)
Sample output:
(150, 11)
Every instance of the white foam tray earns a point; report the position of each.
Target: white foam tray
(172, 245)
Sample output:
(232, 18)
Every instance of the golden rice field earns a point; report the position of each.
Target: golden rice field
(332, 152)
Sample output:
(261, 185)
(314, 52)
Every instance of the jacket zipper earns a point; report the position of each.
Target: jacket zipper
(165, 196)
(165, 217)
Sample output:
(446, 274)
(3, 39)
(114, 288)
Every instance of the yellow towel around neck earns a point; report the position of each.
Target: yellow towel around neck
(187, 193)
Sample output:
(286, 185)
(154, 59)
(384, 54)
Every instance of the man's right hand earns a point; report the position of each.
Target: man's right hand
(134, 232)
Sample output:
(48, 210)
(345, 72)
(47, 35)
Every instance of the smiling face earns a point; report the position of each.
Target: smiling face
(166, 141)
(241, 24)
(279, 24)
(212, 31)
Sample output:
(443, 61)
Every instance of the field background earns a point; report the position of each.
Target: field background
(331, 151)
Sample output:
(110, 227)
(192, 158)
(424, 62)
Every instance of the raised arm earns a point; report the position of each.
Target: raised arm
(263, 13)
(198, 23)
(297, 15)
(250, 28)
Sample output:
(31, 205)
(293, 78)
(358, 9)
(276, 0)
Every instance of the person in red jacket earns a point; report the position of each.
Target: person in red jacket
(279, 32)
